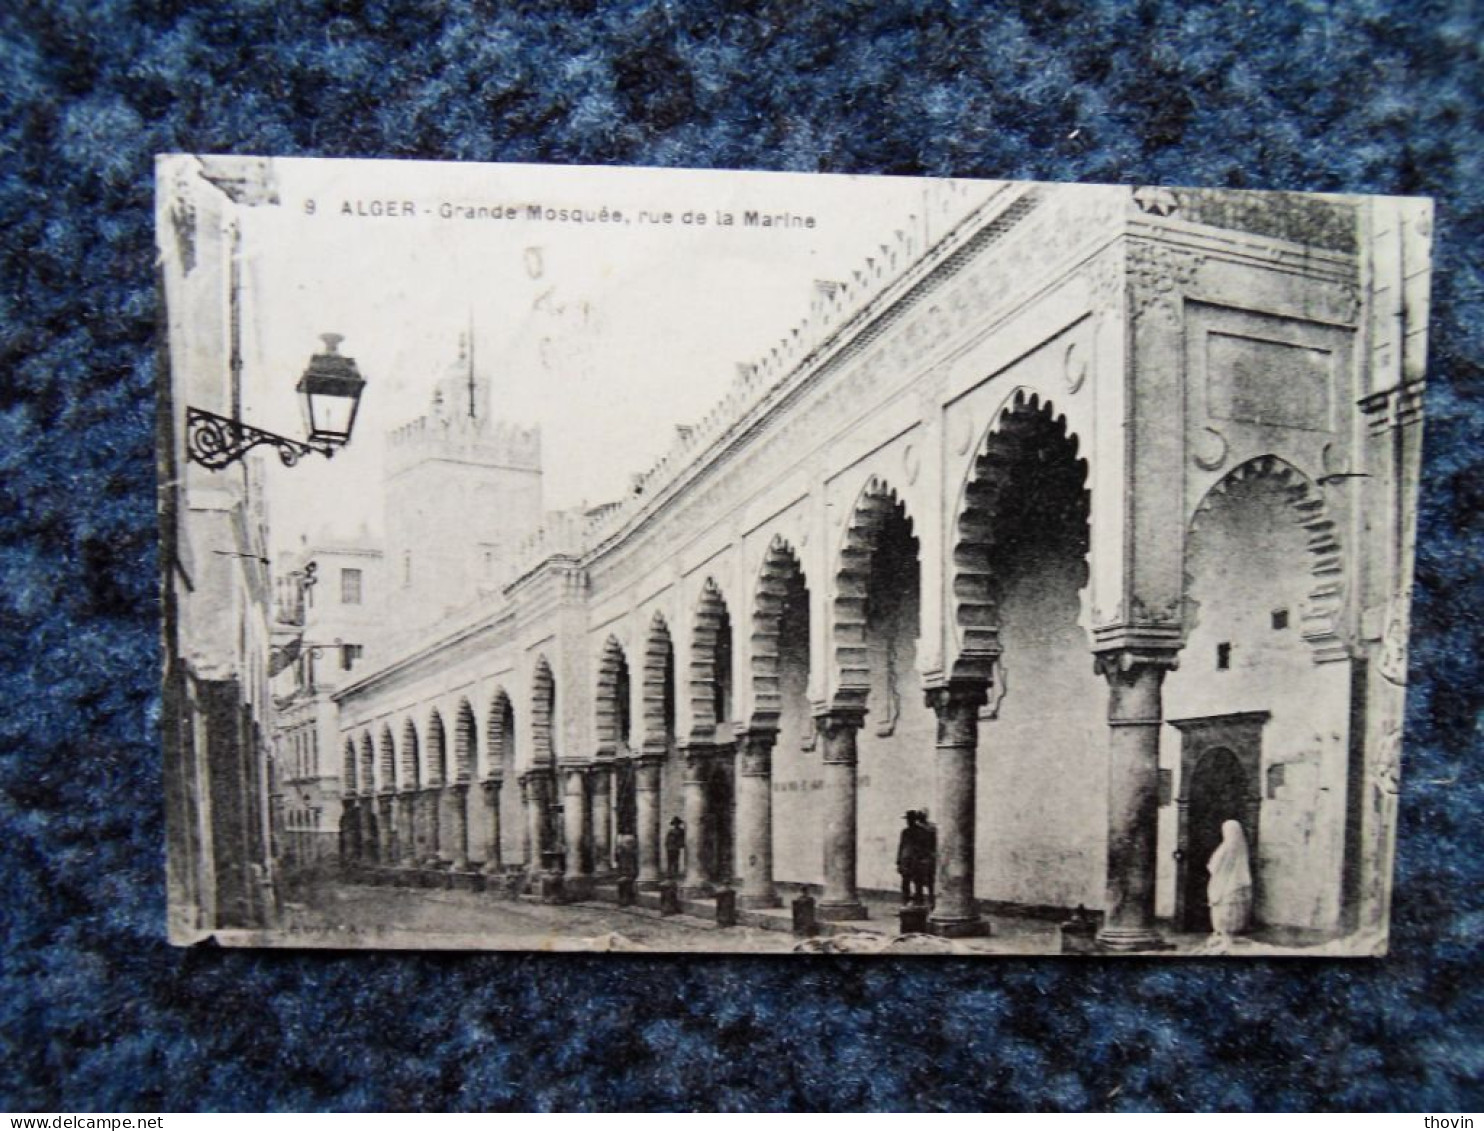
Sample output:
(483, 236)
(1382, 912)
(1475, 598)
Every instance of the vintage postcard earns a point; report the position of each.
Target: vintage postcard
(638, 559)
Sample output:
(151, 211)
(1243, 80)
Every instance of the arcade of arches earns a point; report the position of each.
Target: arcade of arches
(1004, 584)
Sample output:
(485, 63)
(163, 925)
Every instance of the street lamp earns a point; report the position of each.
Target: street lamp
(331, 390)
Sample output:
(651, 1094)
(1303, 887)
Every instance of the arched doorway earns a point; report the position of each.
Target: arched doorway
(1218, 793)
(711, 713)
(870, 739)
(614, 803)
(1220, 764)
(775, 836)
(1260, 672)
(515, 846)
(1036, 830)
(548, 832)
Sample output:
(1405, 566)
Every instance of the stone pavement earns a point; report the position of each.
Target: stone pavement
(337, 914)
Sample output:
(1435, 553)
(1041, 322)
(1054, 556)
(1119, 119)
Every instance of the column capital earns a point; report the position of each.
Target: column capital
(697, 757)
(1112, 663)
(459, 787)
(836, 718)
(757, 736)
(755, 748)
(957, 695)
(957, 706)
(837, 727)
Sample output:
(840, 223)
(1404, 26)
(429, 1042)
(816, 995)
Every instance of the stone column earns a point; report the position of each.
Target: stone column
(955, 914)
(837, 733)
(349, 833)
(602, 811)
(357, 823)
(367, 829)
(390, 849)
(755, 819)
(696, 883)
(574, 821)
(458, 795)
(534, 801)
(1135, 715)
(494, 862)
(433, 806)
(407, 803)
(647, 770)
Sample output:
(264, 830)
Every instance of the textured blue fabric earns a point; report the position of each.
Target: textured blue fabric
(96, 1011)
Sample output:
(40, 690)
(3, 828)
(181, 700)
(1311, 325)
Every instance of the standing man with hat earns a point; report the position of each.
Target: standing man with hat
(675, 846)
(915, 858)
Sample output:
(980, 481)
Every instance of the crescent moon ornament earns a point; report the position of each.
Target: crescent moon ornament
(1210, 462)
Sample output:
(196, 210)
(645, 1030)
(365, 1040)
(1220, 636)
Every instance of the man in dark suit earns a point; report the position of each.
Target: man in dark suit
(915, 857)
(675, 846)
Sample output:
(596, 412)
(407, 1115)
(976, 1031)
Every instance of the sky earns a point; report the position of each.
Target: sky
(606, 335)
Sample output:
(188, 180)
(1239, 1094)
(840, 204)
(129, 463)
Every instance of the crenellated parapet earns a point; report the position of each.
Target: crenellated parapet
(953, 212)
(498, 443)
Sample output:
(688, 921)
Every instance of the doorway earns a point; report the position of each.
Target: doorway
(1220, 767)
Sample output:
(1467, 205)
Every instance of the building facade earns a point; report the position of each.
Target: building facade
(330, 596)
(1084, 527)
(215, 585)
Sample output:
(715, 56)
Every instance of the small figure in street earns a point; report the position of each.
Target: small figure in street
(915, 858)
(1229, 890)
(675, 847)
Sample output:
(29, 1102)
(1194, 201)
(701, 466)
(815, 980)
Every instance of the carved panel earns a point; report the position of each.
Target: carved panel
(1257, 381)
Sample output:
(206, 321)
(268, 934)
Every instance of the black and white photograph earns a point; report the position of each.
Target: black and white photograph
(624, 559)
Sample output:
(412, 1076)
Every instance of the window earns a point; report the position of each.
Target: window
(350, 587)
(349, 654)
(407, 567)
(1223, 657)
(1280, 619)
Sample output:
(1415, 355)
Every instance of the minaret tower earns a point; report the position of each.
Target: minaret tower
(462, 491)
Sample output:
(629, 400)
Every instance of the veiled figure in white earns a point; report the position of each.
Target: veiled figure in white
(1229, 890)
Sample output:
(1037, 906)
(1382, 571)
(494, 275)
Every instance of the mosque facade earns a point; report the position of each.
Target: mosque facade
(1084, 527)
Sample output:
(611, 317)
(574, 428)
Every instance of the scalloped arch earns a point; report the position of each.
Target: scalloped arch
(1320, 618)
(612, 665)
(543, 705)
(658, 652)
(780, 573)
(875, 506)
(1026, 428)
(711, 615)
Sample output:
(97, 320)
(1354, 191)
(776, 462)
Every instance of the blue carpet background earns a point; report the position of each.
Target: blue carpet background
(97, 1012)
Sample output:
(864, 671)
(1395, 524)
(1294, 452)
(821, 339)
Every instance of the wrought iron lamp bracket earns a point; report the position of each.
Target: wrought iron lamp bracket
(215, 441)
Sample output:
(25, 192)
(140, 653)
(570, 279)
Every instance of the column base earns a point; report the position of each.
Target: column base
(577, 887)
(754, 901)
(840, 912)
(1131, 939)
(703, 890)
(970, 927)
(650, 885)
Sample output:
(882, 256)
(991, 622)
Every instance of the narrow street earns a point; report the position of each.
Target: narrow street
(356, 915)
